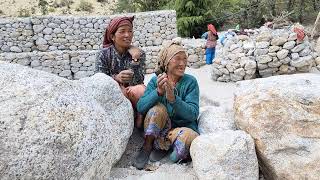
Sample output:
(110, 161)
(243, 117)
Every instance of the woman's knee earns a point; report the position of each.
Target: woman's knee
(156, 119)
(134, 93)
(157, 114)
(181, 139)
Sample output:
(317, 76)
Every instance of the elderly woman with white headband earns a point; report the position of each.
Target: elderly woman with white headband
(171, 107)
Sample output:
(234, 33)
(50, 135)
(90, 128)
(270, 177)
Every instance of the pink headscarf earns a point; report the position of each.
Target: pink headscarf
(212, 29)
(113, 26)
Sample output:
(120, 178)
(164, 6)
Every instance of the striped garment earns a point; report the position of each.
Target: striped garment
(211, 41)
(158, 124)
(110, 62)
(211, 44)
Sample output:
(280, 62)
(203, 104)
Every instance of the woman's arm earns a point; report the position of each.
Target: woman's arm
(101, 63)
(142, 68)
(149, 98)
(188, 109)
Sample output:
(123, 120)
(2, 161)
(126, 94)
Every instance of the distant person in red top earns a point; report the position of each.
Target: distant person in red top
(211, 44)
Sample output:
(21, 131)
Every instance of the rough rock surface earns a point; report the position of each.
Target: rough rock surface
(282, 114)
(224, 155)
(213, 119)
(54, 128)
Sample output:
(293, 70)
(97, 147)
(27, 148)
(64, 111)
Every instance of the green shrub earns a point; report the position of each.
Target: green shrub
(66, 11)
(85, 6)
(66, 3)
(43, 6)
(33, 10)
(141, 6)
(51, 9)
(24, 12)
(62, 3)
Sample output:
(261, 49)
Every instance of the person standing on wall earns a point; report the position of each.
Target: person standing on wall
(122, 61)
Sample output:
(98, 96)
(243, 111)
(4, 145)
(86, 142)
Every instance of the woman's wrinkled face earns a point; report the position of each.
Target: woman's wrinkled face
(123, 36)
(178, 64)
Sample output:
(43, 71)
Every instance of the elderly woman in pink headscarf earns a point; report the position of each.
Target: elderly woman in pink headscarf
(211, 43)
(123, 62)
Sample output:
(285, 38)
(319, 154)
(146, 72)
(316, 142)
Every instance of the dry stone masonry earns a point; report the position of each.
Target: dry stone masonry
(51, 33)
(86, 33)
(16, 35)
(67, 64)
(265, 53)
(66, 46)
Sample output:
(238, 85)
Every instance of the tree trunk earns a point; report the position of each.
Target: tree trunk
(316, 28)
(316, 5)
(290, 5)
(273, 7)
(301, 8)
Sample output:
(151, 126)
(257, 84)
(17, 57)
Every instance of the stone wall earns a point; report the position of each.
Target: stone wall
(86, 33)
(68, 64)
(265, 53)
(51, 33)
(16, 35)
(79, 64)
(67, 45)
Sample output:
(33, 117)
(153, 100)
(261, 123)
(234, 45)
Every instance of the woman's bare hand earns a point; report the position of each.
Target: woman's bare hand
(124, 76)
(135, 53)
(161, 80)
(169, 88)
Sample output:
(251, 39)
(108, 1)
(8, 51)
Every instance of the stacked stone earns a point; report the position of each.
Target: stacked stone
(266, 53)
(152, 28)
(235, 61)
(68, 44)
(16, 35)
(82, 63)
(152, 53)
(79, 64)
(86, 33)
(284, 54)
(52, 33)
(56, 62)
(67, 33)
(195, 49)
(74, 65)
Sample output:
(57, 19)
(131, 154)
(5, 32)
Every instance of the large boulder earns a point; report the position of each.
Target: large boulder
(224, 155)
(54, 128)
(282, 114)
(214, 119)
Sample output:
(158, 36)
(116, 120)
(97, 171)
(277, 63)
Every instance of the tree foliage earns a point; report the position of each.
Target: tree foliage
(194, 15)
(43, 6)
(190, 14)
(140, 5)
